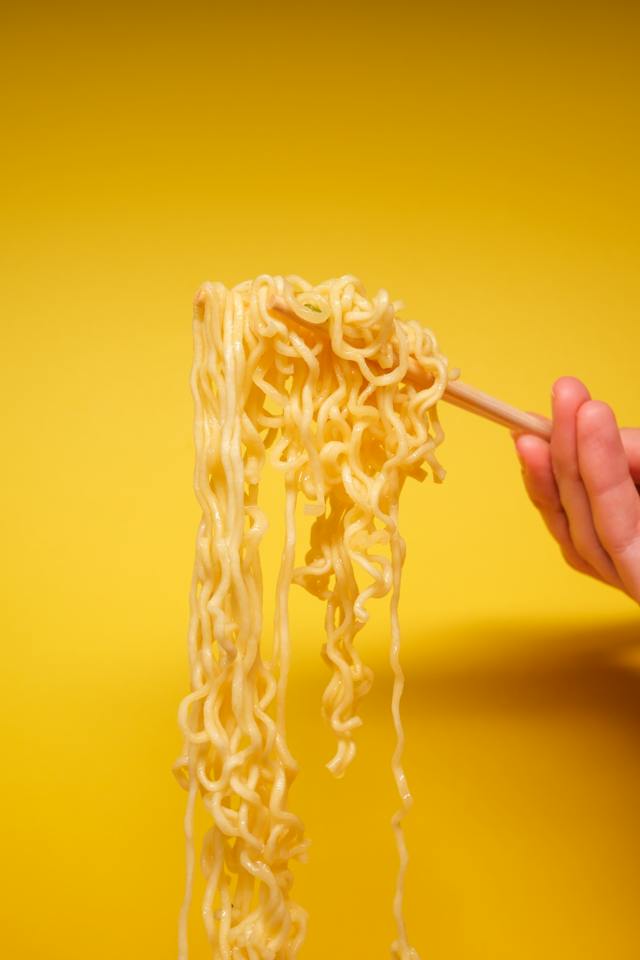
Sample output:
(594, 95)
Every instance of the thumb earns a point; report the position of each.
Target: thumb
(631, 444)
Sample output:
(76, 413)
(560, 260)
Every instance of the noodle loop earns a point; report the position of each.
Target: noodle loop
(325, 401)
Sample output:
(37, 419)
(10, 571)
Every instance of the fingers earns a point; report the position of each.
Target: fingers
(535, 457)
(613, 497)
(569, 396)
(585, 485)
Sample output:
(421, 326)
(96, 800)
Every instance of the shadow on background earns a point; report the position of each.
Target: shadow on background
(523, 757)
(535, 667)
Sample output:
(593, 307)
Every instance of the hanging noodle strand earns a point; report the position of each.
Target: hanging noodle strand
(327, 403)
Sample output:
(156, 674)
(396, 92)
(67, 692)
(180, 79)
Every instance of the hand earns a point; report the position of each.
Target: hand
(584, 484)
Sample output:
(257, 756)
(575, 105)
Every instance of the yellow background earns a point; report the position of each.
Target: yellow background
(481, 162)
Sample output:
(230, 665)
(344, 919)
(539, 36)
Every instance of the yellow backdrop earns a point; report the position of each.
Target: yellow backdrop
(481, 162)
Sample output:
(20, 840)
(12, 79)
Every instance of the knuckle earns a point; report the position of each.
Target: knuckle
(539, 502)
(584, 545)
(572, 559)
(625, 544)
(606, 486)
(546, 501)
(596, 557)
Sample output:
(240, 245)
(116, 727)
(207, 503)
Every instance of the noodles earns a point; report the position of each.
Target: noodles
(326, 401)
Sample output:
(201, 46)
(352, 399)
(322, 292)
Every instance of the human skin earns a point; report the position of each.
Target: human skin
(583, 483)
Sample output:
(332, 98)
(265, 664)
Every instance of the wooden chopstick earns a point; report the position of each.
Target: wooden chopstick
(457, 393)
(476, 401)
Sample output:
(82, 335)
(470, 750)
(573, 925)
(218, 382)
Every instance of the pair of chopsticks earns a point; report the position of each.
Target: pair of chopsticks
(459, 394)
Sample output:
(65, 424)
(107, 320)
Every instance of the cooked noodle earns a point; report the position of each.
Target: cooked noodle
(327, 401)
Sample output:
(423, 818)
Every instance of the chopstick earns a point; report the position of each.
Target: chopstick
(476, 401)
(457, 393)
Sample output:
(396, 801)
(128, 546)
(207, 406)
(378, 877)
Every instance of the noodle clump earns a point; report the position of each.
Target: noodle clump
(314, 379)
